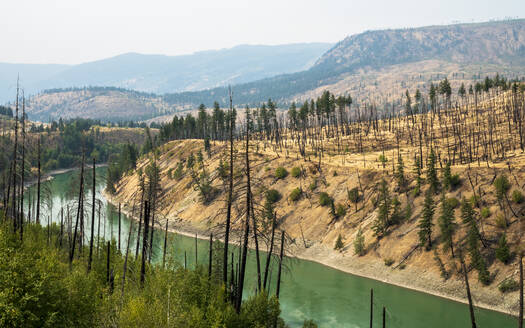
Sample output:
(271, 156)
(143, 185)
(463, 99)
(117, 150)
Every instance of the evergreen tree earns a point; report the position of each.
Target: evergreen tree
(432, 178)
(417, 172)
(473, 237)
(447, 176)
(382, 221)
(400, 173)
(447, 224)
(359, 243)
(503, 251)
(425, 223)
(339, 243)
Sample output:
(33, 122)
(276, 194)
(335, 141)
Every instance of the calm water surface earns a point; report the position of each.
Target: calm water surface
(309, 290)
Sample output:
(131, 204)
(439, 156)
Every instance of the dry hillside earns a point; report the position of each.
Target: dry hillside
(480, 138)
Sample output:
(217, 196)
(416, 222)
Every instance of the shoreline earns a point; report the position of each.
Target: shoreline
(303, 254)
(49, 175)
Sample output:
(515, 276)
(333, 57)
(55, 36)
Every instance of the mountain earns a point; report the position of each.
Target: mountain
(464, 49)
(162, 74)
(381, 63)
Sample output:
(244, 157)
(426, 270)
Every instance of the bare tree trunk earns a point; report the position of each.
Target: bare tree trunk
(80, 192)
(280, 265)
(92, 218)
(165, 245)
(144, 243)
(469, 296)
(119, 224)
(126, 261)
(210, 256)
(230, 197)
(38, 186)
(520, 318)
(269, 256)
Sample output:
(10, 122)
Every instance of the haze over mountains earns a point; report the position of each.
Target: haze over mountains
(166, 74)
(384, 62)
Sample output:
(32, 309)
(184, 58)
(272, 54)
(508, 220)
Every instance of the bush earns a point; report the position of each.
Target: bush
(313, 185)
(340, 211)
(501, 222)
(325, 199)
(273, 196)
(281, 173)
(517, 197)
(455, 181)
(296, 172)
(389, 261)
(296, 194)
(453, 202)
(485, 212)
(508, 285)
(339, 243)
(502, 186)
(353, 195)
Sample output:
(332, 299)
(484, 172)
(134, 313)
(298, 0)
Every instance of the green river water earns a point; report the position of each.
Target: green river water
(309, 290)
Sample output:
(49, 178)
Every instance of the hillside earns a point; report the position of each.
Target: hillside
(370, 65)
(479, 139)
(166, 74)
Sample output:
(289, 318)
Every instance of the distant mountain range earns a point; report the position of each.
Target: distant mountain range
(384, 63)
(165, 74)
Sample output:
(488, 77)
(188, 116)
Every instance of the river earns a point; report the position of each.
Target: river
(309, 290)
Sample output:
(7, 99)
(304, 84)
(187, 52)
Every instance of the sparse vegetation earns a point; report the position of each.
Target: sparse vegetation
(296, 194)
(281, 173)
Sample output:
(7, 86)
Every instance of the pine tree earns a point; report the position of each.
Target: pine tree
(447, 176)
(417, 172)
(359, 243)
(447, 224)
(339, 243)
(432, 178)
(382, 221)
(473, 236)
(503, 251)
(400, 173)
(425, 223)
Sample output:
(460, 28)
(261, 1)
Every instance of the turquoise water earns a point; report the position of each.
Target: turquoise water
(308, 291)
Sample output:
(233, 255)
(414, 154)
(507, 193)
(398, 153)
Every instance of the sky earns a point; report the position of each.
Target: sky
(77, 31)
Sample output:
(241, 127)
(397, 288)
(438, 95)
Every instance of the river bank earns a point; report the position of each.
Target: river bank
(410, 278)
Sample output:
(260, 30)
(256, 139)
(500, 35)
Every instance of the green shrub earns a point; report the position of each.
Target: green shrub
(517, 197)
(296, 172)
(353, 195)
(313, 185)
(501, 222)
(340, 211)
(273, 196)
(453, 202)
(485, 212)
(508, 285)
(455, 181)
(281, 173)
(325, 199)
(502, 186)
(389, 261)
(295, 194)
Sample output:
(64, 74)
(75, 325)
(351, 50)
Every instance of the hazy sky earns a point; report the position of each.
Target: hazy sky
(75, 31)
